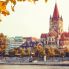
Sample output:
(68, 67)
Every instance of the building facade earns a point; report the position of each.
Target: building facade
(56, 36)
(13, 42)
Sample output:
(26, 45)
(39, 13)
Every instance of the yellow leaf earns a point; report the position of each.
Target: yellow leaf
(7, 12)
(32, 1)
(20, 0)
(13, 1)
(12, 7)
(0, 20)
(46, 0)
(24, 0)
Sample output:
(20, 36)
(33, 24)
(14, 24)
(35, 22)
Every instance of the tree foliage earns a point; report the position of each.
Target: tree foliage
(3, 43)
(3, 5)
(39, 50)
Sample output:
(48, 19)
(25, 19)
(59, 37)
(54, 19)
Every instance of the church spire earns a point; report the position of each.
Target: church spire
(56, 13)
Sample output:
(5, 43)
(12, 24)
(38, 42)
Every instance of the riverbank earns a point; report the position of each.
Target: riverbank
(65, 63)
(25, 61)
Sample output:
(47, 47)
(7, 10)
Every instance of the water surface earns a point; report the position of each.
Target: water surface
(32, 67)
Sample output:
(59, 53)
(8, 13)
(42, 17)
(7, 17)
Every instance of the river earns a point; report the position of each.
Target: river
(32, 67)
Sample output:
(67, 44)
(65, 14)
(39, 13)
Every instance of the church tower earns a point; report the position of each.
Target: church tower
(56, 22)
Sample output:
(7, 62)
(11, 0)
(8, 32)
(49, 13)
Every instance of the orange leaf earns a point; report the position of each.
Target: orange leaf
(5, 13)
(2, 6)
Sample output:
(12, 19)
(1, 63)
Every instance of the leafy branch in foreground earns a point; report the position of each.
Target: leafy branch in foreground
(3, 5)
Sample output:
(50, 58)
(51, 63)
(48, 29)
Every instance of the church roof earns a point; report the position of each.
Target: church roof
(44, 35)
(52, 33)
(56, 13)
(64, 36)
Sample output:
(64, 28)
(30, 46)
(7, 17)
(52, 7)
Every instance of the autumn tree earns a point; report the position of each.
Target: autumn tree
(49, 51)
(39, 50)
(22, 53)
(57, 52)
(27, 52)
(3, 43)
(66, 50)
(12, 52)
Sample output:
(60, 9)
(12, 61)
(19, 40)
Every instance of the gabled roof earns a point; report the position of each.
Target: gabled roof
(64, 36)
(52, 33)
(44, 35)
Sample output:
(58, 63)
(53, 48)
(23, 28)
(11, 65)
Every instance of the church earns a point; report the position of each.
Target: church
(56, 36)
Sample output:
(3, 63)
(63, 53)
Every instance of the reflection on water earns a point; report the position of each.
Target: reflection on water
(32, 67)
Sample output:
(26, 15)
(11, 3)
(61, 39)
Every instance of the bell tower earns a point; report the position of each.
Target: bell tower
(56, 22)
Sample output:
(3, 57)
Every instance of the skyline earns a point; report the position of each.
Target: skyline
(32, 19)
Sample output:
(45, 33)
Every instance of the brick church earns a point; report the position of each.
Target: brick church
(56, 36)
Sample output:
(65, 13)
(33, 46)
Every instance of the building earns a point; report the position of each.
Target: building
(56, 36)
(64, 40)
(29, 42)
(14, 42)
(19, 41)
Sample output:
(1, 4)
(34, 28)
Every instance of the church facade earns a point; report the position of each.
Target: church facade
(56, 35)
